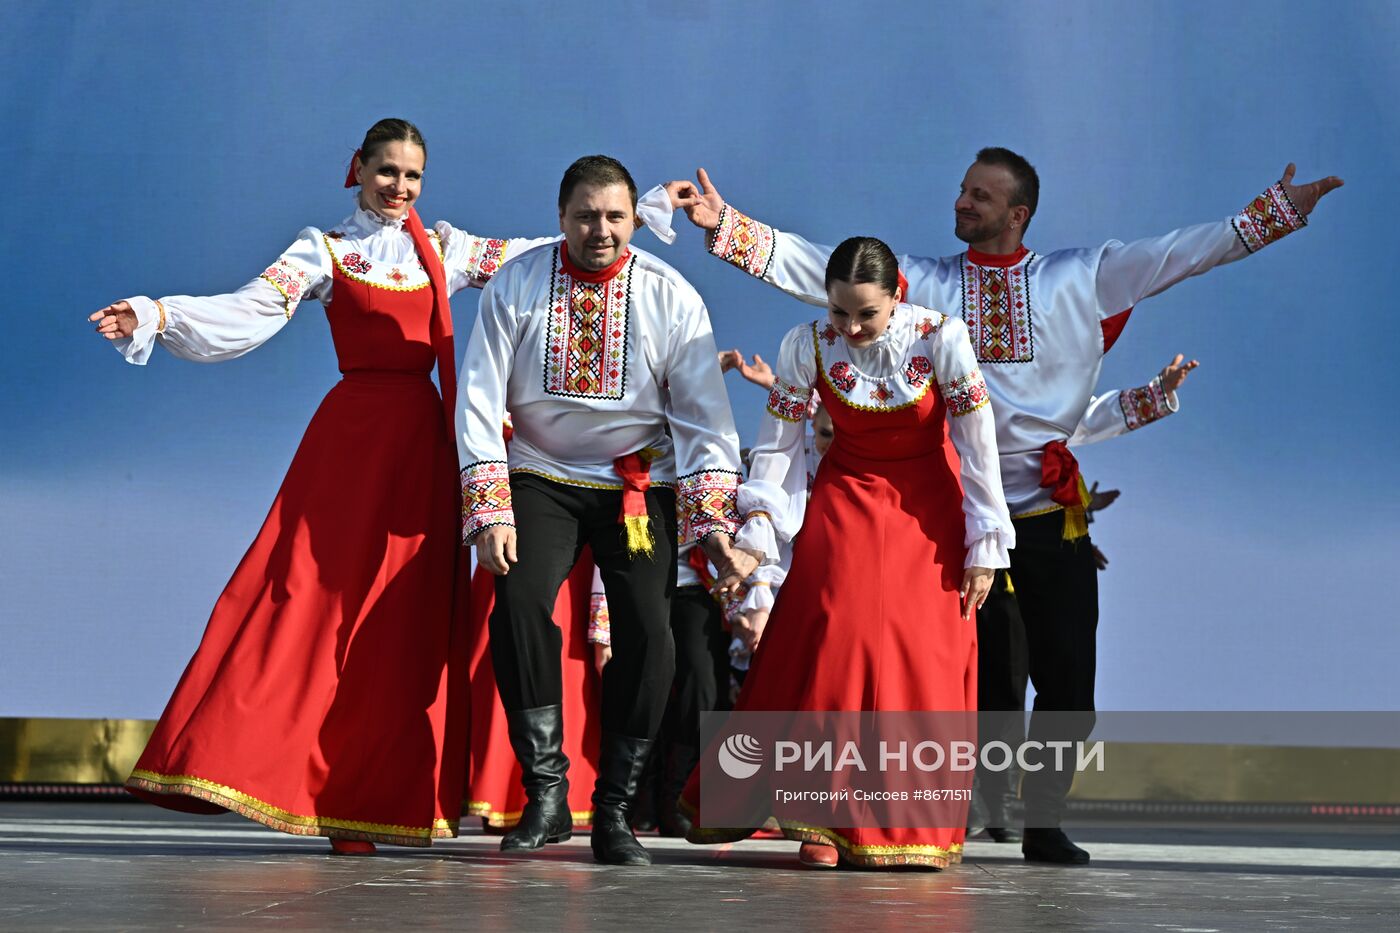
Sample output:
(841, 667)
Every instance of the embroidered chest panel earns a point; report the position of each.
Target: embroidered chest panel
(400, 277)
(997, 310)
(585, 354)
(904, 388)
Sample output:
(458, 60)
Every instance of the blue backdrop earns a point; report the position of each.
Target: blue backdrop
(155, 148)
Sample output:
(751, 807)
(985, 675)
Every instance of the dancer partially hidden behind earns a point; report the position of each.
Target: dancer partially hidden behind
(327, 695)
(887, 516)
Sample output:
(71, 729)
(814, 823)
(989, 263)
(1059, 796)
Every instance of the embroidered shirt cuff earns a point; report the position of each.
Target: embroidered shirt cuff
(744, 242)
(1268, 218)
(708, 504)
(485, 497)
(1147, 404)
(759, 597)
(599, 625)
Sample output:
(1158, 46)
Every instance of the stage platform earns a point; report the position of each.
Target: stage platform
(88, 866)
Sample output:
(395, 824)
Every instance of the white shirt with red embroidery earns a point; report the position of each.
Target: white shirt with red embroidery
(919, 348)
(1039, 324)
(583, 361)
(364, 245)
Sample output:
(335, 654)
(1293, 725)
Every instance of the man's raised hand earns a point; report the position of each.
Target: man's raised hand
(701, 203)
(1305, 197)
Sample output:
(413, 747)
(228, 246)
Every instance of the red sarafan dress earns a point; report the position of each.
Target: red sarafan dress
(869, 617)
(494, 789)
(329, 694)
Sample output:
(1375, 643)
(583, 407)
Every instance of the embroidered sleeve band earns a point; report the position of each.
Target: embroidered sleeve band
(787, 401)
(1144, 405)
(1267, 218)
(599, 623)
(485, 258)
(965, 395)
(289, 280)
(743, 241)
(485, 497)
(708, 502)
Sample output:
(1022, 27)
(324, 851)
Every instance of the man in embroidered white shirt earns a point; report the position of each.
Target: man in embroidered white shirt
(1040, 326)
(605, 358)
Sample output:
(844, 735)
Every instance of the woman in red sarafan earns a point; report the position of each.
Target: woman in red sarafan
(328, 694)
(894, 552)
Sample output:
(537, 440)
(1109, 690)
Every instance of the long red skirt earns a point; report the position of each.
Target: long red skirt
(328, 695)
(869, 617)
(494, 791)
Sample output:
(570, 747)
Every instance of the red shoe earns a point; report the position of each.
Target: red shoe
(818, 855)
(351, 847)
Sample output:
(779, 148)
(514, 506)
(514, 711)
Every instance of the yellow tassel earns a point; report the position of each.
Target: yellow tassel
(639, 537)
(1076, 516)
(1010, 589)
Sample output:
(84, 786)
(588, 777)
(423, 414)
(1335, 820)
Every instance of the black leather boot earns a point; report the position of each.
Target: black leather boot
(620, 762)
(680, 761)
(1052, 845)
(537, 736)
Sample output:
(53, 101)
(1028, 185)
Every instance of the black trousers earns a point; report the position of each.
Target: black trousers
(702, 664)
(553, 523)
(1002, 673)
(1057, 591)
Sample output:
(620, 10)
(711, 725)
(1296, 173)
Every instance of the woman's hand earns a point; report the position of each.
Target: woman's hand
(758, 372)
(116, 321)
(977, 583)
(602, 654)
(756, 620)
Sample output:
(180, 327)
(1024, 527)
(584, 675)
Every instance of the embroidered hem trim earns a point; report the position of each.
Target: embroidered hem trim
(285, 821)
(500, 819)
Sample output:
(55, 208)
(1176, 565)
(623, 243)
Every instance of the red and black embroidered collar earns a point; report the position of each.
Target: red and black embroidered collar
(1004, 261)
(586, 275)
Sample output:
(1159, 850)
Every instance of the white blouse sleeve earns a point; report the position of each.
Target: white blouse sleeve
(1123, 410)
(773, 500)
(989, 531)
(481, 411)
(470, 261)
(221, 327)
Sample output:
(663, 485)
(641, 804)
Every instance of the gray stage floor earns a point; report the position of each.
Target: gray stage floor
(129, 866)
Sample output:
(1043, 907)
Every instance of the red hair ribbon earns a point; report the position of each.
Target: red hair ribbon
(350, 179)
(903, 287)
